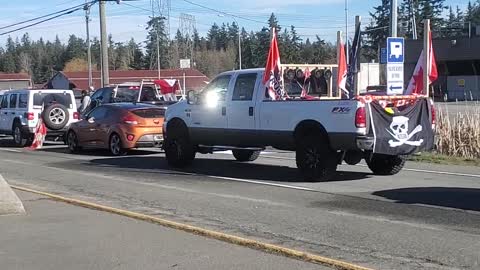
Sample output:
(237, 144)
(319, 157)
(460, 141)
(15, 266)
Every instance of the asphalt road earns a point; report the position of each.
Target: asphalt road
(427, 217)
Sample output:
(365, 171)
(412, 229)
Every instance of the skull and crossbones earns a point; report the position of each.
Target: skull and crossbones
(399, 131)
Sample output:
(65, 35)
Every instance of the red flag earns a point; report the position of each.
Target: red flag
(167, 86)
(415, 85)
(271, 77)
(342, 70)
(39, 136)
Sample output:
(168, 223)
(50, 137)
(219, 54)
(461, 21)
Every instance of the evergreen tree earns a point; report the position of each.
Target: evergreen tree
(378, 30)
(433, 10)
(156, 27)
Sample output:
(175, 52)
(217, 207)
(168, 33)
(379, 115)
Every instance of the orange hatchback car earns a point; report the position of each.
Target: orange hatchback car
(118, 127)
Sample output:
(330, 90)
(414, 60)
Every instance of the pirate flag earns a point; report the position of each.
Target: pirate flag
(401, 132)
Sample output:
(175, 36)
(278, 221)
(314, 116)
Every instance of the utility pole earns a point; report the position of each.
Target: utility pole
(104, 45)
(89, 51)
(394, 18)
(239, 45)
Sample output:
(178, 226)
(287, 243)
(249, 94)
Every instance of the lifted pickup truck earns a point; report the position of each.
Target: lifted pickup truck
(234, 113)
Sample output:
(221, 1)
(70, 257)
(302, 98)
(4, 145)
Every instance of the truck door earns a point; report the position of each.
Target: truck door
(209, 116)
(241, 109)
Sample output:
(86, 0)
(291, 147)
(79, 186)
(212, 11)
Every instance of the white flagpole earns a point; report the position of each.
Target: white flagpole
(426, 50)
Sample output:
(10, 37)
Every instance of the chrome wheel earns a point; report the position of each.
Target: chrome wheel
(57, 116)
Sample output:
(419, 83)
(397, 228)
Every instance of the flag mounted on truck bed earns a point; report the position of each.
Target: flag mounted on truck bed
(401, 132)
(272, 77)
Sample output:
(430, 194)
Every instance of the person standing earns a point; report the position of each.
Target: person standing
(85, 101)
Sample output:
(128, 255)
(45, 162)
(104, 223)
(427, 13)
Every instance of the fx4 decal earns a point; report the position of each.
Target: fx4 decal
(345, 110)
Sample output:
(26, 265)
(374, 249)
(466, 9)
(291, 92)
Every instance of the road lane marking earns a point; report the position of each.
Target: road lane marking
(11, 150)
(405, 169)
(228, 238)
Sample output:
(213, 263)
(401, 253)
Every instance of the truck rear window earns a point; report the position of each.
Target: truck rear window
(150, 113)
(130, 94)
(39, 99)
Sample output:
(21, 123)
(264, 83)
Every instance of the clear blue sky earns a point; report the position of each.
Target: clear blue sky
(312, 17)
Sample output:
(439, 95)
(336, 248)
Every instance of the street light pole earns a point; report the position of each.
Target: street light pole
(239, 45)
(89, 51)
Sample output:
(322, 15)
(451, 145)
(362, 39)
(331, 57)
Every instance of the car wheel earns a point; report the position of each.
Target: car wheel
(179, 150)
(72, 142)
(246, 155)
(115, 145)
(385, 164)
(55, 116)
(315, 159)
(19, 138)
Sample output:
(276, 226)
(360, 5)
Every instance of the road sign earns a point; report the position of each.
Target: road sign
(383, 55)
(184, 63)
(395, 78)
(395, 50)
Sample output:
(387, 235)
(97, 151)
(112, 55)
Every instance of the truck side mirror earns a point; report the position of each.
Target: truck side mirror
(192, 97)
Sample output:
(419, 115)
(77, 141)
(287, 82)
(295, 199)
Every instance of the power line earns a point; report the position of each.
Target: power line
(43, 16)
(42, 21)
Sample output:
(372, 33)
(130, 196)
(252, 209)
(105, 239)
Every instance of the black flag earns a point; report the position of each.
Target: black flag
(402, 132)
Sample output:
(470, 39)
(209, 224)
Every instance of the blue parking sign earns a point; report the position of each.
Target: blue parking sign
(395, 50)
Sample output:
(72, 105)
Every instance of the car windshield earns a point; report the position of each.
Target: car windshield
(130, 94)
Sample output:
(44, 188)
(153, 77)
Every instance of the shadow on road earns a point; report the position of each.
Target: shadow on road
(222, 168)
(97, 152)
(459, 198)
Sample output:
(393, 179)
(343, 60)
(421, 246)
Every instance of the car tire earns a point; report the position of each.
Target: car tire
(246, 155)
(20, 139)
(72, 142)
(115, 145)
(385, 164)
(315, 159)
(179, 150)
(55, 116)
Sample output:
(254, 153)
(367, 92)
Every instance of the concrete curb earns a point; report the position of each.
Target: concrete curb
(10, 204)
(250, 243)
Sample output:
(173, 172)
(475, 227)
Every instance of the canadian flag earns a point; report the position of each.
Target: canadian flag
(272, 78)
(39, 136)
(415, 86)
(342, 70)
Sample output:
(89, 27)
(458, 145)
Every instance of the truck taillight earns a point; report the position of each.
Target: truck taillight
(30, 116)
(76, 116)
(361, 118)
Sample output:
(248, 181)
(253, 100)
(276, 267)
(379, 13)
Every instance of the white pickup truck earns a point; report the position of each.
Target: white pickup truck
(234, 113)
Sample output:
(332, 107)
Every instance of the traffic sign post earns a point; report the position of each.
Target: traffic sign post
(395, 71)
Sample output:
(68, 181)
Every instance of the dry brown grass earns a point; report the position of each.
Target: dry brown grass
(459, 135)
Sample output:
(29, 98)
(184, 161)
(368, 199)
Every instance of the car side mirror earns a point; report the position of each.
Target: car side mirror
(192, 97)
(91, 120)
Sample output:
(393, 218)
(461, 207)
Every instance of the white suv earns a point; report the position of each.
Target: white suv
(20, 111)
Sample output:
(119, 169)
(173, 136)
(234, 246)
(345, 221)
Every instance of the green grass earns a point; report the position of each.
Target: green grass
(443, 159)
